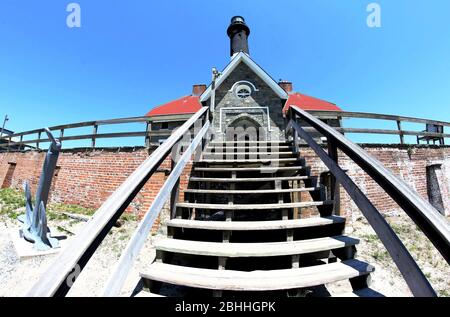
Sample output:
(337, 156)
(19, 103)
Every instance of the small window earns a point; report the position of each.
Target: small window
(164, 125)
(243, 91)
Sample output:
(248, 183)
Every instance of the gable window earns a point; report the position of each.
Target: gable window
(243, 89)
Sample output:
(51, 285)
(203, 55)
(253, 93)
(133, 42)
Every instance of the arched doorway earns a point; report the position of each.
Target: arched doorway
(244, 128)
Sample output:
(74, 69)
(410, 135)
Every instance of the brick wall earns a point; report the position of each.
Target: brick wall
(410, 164)
(88, 178)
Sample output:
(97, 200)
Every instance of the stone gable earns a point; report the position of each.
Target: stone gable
(263, 107)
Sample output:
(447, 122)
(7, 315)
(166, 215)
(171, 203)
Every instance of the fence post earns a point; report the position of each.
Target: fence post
(94, 132)
(9, 143)
(61, 135)
(175, 191)
(205, 139)
(295, 133)
(400, 132)
(148, 128)
(20, 143)
(341, 124)
(38, 139)
(334, 184)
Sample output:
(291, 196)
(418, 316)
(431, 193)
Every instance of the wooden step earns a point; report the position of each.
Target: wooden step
(255, 225)
(250, 142)
(266, 249)
(260, 160)
(256, 191)
(256, 280)
(248, 179)
(249, 169)
(255, 148)
(254, 206)
(246, 153)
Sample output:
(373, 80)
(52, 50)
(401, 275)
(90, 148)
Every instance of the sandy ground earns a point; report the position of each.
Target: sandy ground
(17, 276)
(387, 278)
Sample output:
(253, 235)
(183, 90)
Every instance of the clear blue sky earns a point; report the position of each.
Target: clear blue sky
(129, 56)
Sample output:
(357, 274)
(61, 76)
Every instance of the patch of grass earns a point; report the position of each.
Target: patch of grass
(52, 215)
(370, 238)
(124, 237)
(54, 211)
(443, 293)
(62, 229)
(128, 217)
(73, 209)
(380, 255)
(11, 200)
(401, 229)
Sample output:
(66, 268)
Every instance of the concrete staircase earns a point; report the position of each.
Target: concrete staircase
(245, 226)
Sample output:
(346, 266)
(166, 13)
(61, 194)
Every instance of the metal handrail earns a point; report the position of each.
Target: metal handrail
(426, 217)
(59, 278)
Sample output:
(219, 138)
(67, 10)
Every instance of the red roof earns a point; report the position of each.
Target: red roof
(191, 104)
(309, 103)
(188, 104)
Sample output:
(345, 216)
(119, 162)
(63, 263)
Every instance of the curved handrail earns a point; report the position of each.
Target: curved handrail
(421, 211)
(58, 279)
(371, 115)
(324, 114)
(17, 139)
(117, 278)
(426, 217)
(420, 135)
(95, 122)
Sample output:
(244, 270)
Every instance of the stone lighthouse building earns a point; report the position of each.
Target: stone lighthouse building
(246, 101)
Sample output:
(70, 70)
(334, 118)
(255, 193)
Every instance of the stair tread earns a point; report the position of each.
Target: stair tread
(293, 159)
(259, 249)
(255, 225)
(256, 191)
(254, 206)
(246, 153)
(250, 142)
(246, 147)
(248, 179)
(248, 169)
(256, 280)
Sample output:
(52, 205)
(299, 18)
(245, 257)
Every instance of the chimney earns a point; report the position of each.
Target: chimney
(197, 90)
(238, 33)
(286, 85)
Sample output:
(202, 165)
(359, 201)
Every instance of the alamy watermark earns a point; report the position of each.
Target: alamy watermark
(374, 17)
(73, 275)
(73, 19)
